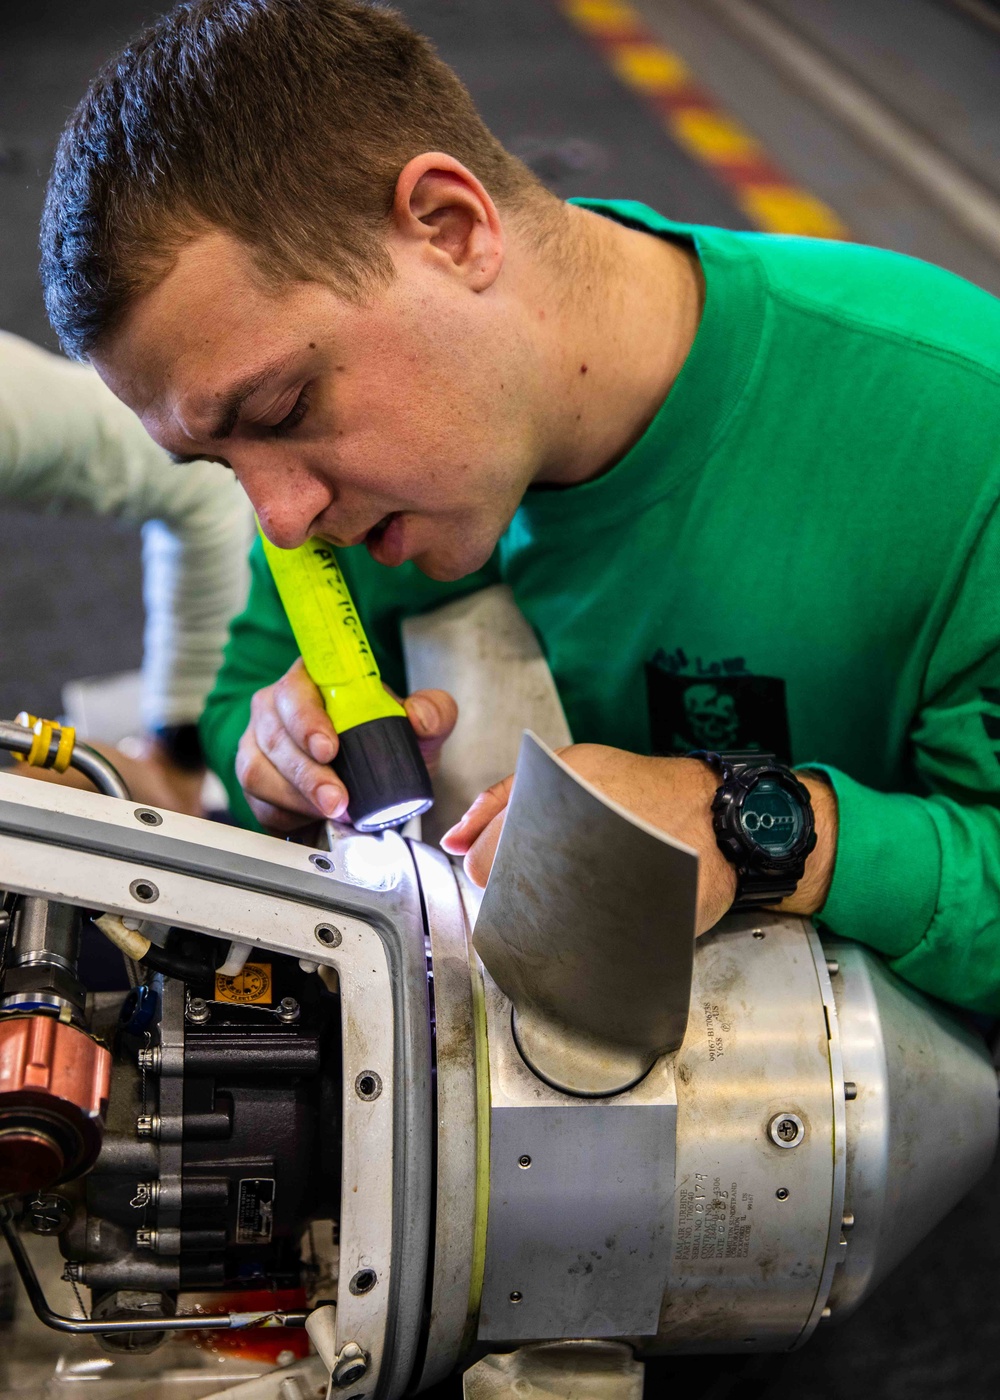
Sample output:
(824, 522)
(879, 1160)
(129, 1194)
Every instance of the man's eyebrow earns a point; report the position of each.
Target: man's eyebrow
(230, 404)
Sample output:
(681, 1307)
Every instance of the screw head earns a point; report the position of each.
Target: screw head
(363, 1282)
(321, 862)
(329, 936)
(148, 817)
(147, 1125)
(368, 1085)
(759, 933)
(786, 1130)
(524, 1161)
(350, 1366)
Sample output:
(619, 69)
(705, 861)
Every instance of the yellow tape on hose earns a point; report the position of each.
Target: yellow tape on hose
(329, 634)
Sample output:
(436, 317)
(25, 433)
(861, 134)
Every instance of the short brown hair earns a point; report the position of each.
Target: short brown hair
(282, 122)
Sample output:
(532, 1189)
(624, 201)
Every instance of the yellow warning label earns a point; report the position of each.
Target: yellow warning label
(253, 984)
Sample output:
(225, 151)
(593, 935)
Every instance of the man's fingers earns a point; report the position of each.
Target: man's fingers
(433, 714)
(301, 711)
(479, 860)
(283, 800)
(487, 806)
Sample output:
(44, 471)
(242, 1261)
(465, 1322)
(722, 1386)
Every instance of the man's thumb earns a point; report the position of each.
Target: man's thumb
(433, 714)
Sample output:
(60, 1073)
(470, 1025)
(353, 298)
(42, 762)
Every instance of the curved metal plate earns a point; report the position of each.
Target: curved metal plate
(588, 926)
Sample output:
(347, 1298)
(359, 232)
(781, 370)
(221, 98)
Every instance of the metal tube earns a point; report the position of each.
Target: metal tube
(47, 932)
(103, 774)
(191, 1322)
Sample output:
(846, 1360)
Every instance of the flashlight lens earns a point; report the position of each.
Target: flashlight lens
(395, 815)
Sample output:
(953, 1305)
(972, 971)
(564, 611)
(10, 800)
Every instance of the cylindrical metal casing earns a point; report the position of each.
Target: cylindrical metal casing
(752, 1219)
(923, 1127)
(47, 932)
(812, 1086)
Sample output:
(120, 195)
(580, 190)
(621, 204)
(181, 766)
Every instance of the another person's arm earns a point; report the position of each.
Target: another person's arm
(67, 444)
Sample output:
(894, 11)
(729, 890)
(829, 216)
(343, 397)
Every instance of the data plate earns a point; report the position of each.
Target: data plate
(255, 1212)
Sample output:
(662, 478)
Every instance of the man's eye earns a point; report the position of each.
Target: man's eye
(293, 417)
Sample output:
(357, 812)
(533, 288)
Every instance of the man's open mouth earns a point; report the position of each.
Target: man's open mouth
(377, 531)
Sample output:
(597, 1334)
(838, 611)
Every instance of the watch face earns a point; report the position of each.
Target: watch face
(771, 818)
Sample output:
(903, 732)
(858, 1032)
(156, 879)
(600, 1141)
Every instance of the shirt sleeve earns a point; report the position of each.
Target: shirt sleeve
(68, 445)
(261, 648)
(918, 876)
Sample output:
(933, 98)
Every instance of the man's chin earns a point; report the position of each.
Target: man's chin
(443, 566)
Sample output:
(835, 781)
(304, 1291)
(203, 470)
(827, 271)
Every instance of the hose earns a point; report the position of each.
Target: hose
(44, 744)
(138, 947)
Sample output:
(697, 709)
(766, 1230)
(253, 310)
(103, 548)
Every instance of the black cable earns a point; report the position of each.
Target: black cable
(177, 965)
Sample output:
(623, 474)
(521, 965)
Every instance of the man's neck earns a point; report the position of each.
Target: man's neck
(619, 315)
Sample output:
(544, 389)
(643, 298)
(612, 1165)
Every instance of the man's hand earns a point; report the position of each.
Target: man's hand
(284, 756)
(673, 794)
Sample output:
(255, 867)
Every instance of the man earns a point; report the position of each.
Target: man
(743, 488)
(68, 445)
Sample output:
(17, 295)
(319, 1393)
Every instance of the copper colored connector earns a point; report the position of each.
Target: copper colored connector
(53, 1095)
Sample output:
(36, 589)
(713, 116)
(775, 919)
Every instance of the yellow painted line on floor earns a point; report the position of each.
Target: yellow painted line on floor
(699, 125)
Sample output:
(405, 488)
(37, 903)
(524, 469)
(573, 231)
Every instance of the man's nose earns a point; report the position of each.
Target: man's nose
(287, 501)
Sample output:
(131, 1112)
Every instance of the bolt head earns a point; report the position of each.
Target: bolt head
(197, 1011)
(49, 1213)
(350, 1367)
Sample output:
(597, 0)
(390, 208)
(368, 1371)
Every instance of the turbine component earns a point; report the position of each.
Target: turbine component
(590, 1141)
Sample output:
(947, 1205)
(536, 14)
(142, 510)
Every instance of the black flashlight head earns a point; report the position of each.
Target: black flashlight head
(380, 764)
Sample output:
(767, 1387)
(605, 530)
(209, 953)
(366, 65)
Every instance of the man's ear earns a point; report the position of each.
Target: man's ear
(441, 210)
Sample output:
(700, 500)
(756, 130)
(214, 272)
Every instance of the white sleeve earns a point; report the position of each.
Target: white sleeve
(67, 444)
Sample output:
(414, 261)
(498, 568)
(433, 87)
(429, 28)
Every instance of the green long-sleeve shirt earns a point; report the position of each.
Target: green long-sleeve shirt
(802, 553)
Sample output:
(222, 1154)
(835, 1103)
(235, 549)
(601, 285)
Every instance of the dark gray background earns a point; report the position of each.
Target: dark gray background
(69, 589)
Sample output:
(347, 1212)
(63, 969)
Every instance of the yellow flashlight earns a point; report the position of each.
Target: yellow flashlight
(379, 760)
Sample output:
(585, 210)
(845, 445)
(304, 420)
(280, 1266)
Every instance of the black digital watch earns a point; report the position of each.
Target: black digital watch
(182, 746)
(763, 822)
